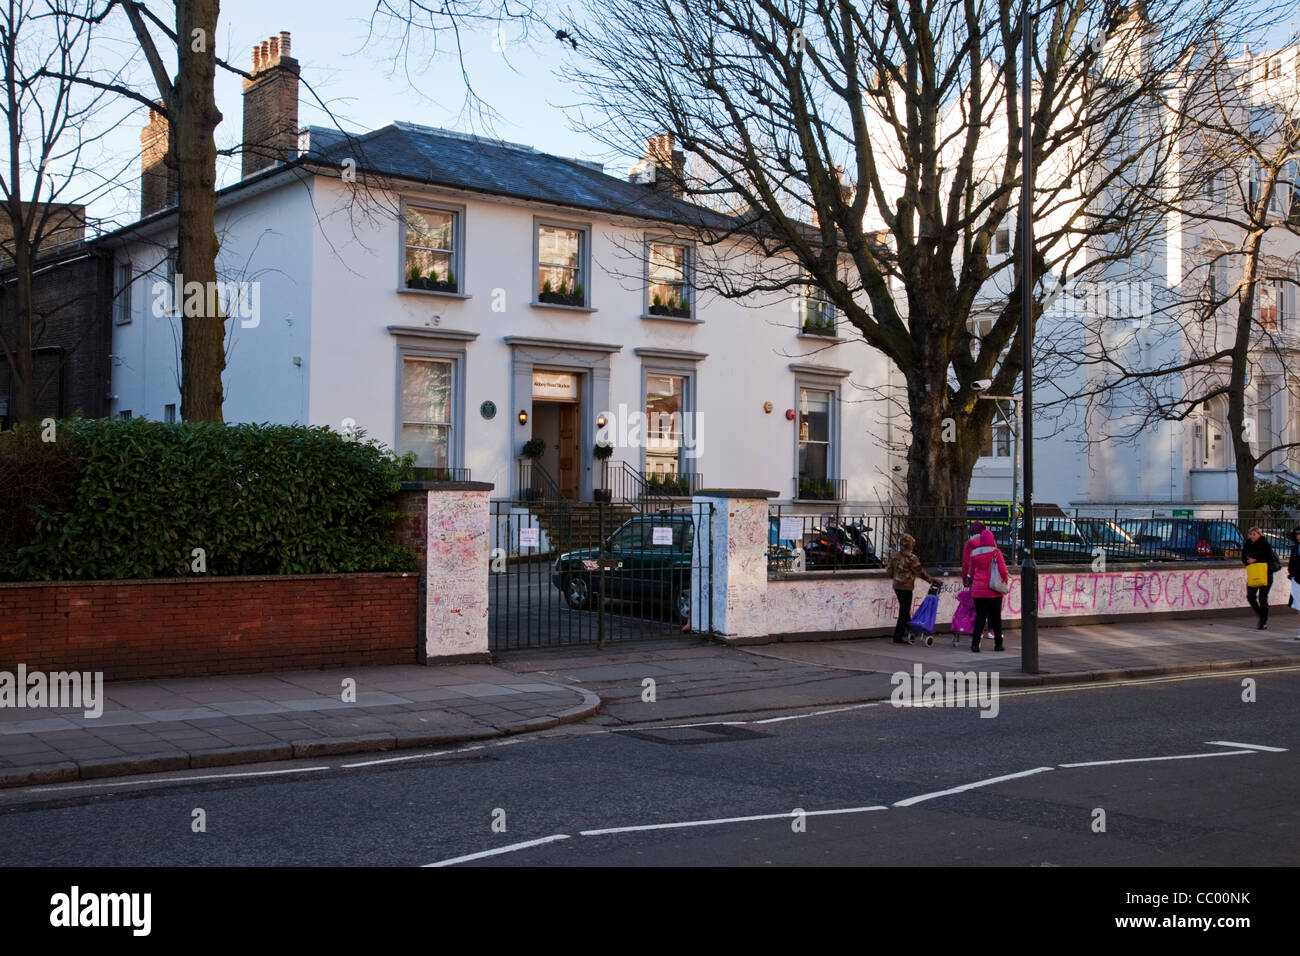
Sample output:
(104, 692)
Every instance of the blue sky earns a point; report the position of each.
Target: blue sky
(365, 86)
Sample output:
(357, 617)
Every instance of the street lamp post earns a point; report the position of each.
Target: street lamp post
(1028, 569)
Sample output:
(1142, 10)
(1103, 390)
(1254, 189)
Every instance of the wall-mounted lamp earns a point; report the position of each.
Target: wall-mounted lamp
(523, 417)
(601, 421)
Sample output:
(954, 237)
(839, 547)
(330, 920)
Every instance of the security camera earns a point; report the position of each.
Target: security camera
(981, 384)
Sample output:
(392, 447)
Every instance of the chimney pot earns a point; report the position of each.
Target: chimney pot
(270, 106)
(257, 57)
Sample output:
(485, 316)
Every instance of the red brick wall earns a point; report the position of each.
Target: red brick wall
(190, 627)
(411, 529)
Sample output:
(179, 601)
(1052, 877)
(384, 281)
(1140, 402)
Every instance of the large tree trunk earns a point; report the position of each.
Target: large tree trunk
(945, 441)
(195, 118)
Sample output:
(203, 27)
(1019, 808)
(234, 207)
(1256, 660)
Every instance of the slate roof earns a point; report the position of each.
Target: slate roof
(493, 167)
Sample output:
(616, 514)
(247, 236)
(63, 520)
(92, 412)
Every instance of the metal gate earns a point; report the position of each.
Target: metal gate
(568, 572)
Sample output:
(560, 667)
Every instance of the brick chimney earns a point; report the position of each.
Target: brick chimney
(669, 162)
(158, 182)
(270, 106)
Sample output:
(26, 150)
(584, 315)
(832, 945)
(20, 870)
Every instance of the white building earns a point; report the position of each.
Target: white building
(465, 295)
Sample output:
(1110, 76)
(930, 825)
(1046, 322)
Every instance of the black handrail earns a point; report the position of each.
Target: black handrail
(651, 493)
(535, 482)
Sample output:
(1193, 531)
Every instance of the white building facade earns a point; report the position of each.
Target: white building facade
(464, 296)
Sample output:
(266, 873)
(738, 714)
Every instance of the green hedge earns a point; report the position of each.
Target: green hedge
(258, 499)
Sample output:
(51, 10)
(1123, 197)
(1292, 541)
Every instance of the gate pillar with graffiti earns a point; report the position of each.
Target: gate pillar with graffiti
(732, 580)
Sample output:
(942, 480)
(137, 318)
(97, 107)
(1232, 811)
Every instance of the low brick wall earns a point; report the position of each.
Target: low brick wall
(194, 626)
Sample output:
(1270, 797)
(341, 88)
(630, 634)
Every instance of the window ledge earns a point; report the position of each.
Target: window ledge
(832, 339)
(562, 308)
(671, 318)
(402, 290)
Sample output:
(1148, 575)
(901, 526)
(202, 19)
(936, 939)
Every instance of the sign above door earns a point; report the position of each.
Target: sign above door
(555, 386)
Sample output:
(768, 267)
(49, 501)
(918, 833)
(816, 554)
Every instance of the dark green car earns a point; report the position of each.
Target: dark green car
(646, 574)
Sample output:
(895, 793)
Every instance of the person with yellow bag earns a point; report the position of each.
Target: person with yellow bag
(1260, 561)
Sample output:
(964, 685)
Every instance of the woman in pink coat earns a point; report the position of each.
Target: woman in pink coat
(988, 602)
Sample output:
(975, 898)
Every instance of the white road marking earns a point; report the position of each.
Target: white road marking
(437, 753)
(819, 713)
(788, 815)
(499, 850)
(1106, 763)
(969, 786)
(139, 783)
(1229, 743)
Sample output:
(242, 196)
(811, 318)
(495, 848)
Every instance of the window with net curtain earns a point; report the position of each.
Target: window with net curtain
(559, 259)
(426, 411)
(997, 441)
(665, 404)
(814, 434)
(668, 270)
(430, 245)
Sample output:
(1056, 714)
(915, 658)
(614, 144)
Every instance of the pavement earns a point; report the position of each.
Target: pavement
(180, 724)
(186, 723)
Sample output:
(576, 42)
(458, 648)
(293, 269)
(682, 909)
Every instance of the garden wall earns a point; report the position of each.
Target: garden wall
(846, 605)
(189, 627)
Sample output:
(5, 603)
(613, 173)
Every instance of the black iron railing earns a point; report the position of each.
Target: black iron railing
(838, 538)
(535, 482)
(441, 474)
(650, 492)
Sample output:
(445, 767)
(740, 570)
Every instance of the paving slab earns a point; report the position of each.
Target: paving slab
(179, 723)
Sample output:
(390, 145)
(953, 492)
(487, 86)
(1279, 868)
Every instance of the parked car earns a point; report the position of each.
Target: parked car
(637, 570)
(1281, 544)
(1118, 544)
(1190, 538)
(1065, 540)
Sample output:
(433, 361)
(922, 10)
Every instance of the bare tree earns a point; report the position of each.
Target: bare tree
(53, 169)
(920, 105)
(1221, 324)
(419, 33)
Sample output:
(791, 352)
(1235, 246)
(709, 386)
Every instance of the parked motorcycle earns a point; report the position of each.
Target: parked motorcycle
(839, 545)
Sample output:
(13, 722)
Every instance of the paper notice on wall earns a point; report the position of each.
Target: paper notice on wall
(663, 536)
(529, 537)
(1295, 595)
(792, 529)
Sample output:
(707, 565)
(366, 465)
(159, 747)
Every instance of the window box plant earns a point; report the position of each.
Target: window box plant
(816, 489)
(670, 485)
(675, 307)
(433, 282)
(563, 295)
(818, 322)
